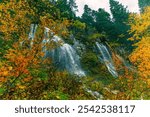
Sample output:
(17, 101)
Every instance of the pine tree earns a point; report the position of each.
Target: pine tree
(87, 16)
(67, 8)
(120, 19)
(119, 12)
(103, 21)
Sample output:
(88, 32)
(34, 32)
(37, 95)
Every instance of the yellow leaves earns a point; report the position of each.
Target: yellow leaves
(1, 6)
(140, 57)
(10, 68)
(56, 26)
(5, 71)
(21, 86)
(23, 64)
(140, 24)
(13, 18)
(148, 82)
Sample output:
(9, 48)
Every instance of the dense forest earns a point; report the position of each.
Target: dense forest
(48, 52)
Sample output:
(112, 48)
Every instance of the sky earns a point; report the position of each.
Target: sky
(132, 5)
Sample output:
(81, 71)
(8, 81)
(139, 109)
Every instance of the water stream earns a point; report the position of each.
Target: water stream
(107, 59)
(65, 57)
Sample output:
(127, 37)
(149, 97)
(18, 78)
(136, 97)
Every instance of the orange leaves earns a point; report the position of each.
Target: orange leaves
(5, 71)
(27, 79)
(18, 61)
(3, 79)
(22, 59)
(13, 18)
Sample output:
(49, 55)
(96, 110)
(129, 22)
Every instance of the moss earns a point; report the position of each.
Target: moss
(90, 62)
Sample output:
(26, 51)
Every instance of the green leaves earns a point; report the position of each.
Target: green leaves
(2, 90)
(79, 25)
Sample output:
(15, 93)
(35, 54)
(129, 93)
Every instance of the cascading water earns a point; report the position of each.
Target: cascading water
(65, 57)
(33, 28)
(31, 36)
(107, 59)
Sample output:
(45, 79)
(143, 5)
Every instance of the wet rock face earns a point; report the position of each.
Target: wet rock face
(107, 59)
(65, 57)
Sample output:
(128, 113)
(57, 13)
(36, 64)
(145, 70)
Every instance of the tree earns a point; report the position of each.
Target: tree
(88, 16)
(72, 6)
(119, 12)
(140, 28)
(103, 21)
(12, 23)
(120, 19)
(22, 63)
(67, 8)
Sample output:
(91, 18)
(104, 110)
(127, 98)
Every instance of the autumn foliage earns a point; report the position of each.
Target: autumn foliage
(25, 72)
(140, 27)
(22, 62)
(134, 83)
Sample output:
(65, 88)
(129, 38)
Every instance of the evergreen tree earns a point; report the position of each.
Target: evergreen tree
(103, 21)
(119, 12)
(73, 6)
(87, 16)
(67, 8)
(120, 18)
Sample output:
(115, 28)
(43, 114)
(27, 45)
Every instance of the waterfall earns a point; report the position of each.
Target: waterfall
(65, 57)
(33, 28)
(31, 36)
(107, 59)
